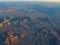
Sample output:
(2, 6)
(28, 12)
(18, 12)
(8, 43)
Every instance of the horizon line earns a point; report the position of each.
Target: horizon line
(29, 0)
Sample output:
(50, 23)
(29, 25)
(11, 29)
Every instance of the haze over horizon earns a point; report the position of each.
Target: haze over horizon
(31, 0)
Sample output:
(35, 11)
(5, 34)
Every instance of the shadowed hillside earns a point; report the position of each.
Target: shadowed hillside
(29, 23)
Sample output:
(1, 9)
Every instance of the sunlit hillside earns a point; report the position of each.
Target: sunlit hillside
(29, 23)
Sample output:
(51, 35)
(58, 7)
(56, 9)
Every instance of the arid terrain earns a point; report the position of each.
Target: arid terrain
(29, 23)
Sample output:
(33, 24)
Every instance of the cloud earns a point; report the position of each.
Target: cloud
(10, 10)
(1, 11)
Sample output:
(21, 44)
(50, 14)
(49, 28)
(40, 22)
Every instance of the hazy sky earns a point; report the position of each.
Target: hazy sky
(33, 0)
